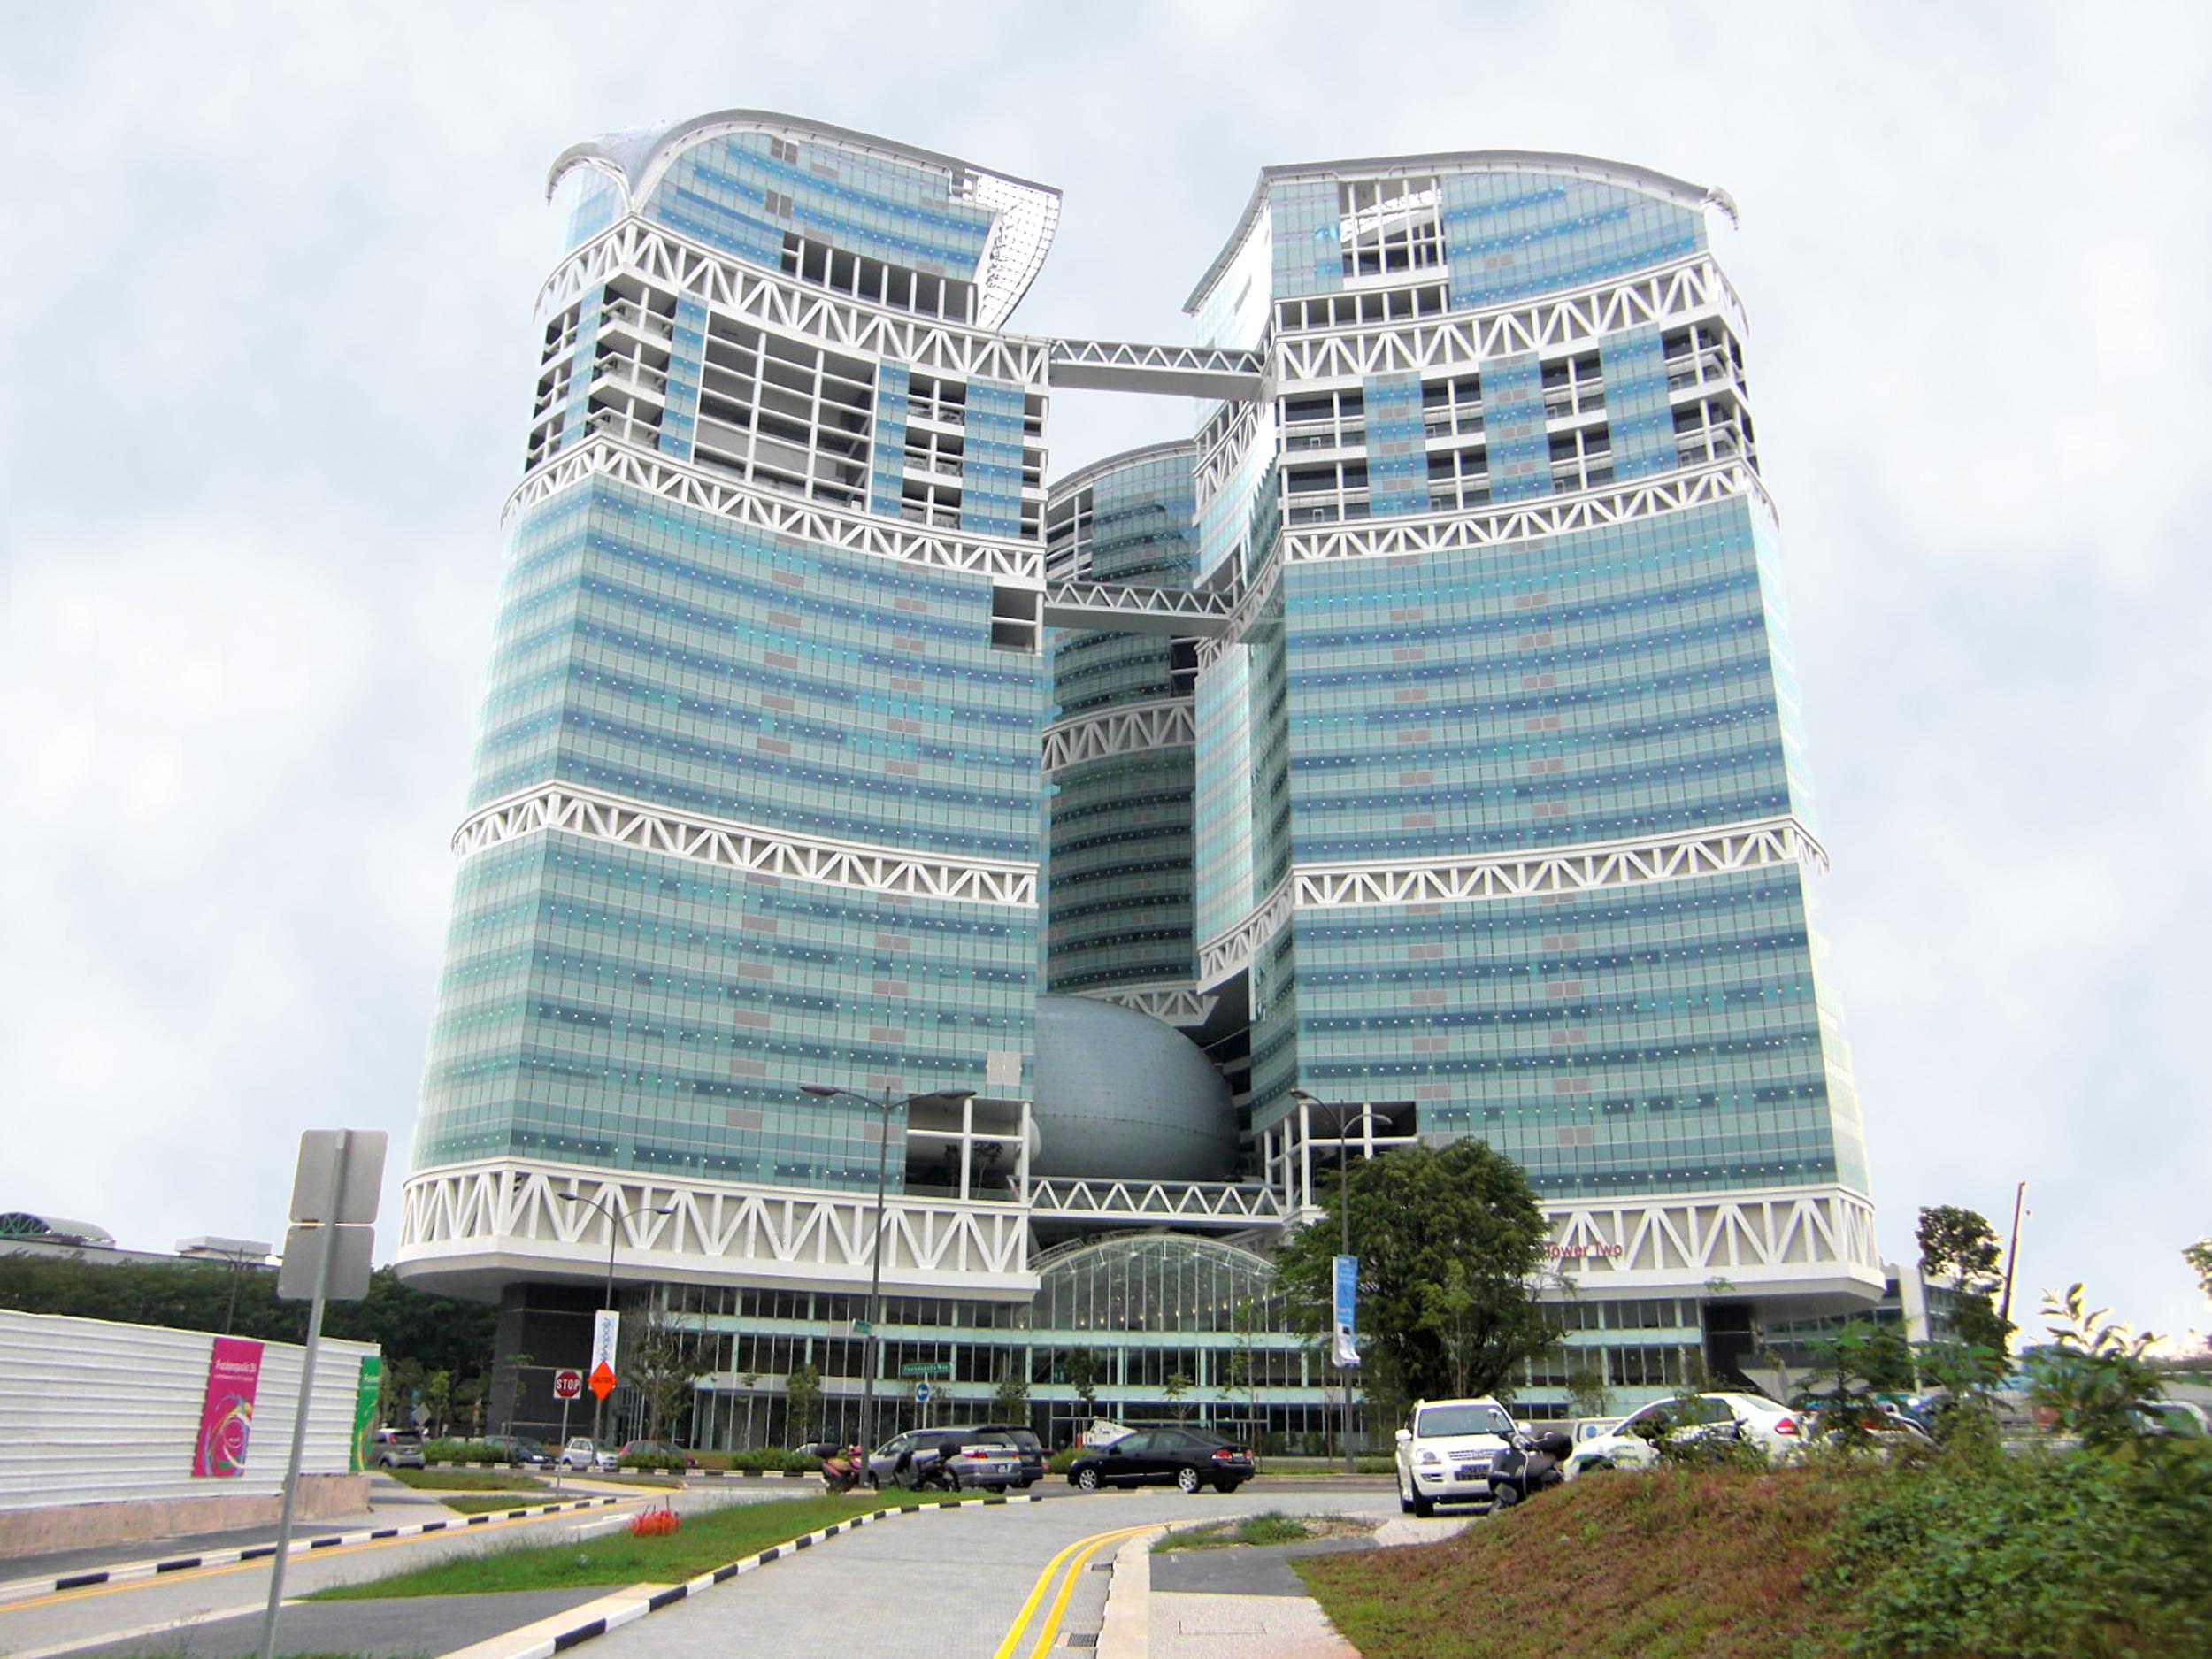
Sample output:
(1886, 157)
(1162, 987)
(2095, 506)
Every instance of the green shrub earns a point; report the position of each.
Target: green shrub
(769, 1457)
(2087, 1553)
(462, 1452)
(655, 1462)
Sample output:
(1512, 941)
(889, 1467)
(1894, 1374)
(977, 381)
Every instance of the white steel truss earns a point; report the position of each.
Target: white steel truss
(1696, 286)
(1755, 845)
(734, 846)
(1136, 729)
(1187, 1203)
(1560, 515)
(1748, 1240)
(1758, 844)
(1223, 957)
(661, 257)
(1112, 608)
(1221, 448)
(1120, 365)
(747, 504)
(1181, 1004)
(511, 1213)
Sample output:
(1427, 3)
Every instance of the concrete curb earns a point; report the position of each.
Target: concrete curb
(24, 1589)
(1125, 1629)
(630, 1611)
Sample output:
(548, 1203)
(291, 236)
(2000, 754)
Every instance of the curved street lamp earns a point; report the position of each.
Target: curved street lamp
(1345, 1110)
(889, 1104)
(615, 1217)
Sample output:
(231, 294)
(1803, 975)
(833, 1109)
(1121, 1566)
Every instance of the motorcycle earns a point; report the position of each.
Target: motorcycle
(845, 1471)
(1528, 1466)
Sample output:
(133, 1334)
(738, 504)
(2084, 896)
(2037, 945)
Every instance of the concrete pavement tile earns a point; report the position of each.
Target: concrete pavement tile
(1243, 1627)
(406, 1627)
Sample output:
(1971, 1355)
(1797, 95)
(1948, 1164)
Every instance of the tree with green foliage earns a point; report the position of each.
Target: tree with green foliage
(802, 1404)
(2093, 1372)
(2199, 1256)
(419, 1332)
(1959, 1247)
(664, 1367)
(1082, 1374)
(1011, 1395)
(1587, 1392)
(1177, 1385)
(1450, 1241)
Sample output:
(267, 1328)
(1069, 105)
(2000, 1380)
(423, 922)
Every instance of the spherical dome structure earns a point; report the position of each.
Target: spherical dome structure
(1120, 1093)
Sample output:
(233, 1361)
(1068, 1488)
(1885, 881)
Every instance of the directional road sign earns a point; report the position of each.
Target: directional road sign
(926, 1368)
(921, 1393)
(568, 1385)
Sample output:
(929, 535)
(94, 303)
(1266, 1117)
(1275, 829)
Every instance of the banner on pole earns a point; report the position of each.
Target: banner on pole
(1345, 1345)
(233, 1375)
(606, 1326)
(367, 1391)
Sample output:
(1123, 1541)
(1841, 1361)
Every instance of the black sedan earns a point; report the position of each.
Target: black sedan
(1190, 1458)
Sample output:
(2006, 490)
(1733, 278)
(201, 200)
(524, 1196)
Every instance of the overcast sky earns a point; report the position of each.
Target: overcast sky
(268, 356)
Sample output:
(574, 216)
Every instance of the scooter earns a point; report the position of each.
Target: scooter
(1528, 1466)
(845, 1471)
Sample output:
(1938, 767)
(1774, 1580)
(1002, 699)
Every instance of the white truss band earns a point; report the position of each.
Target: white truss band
(1756, 845)
(1221, 448)
(663, 257)
(1132, 1203)
(1223, 957)
(1784, 1237)
(1180, 1004)
(1117, 365)
(1137, 729)
(1553, 324)
(1115, 608)
(1759, 844)
(733, 846)
(1559, 515)
(776, 515)
(509, 1216)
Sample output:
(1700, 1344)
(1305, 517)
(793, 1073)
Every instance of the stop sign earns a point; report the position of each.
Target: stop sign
(568, 1385)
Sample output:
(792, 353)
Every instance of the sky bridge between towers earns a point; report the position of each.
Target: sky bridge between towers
(1118, 365)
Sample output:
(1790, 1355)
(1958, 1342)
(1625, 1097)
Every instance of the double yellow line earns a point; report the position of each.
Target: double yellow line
(1064, 1566)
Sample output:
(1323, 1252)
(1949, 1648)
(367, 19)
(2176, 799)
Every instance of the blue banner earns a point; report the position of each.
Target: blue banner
(1345, 1345)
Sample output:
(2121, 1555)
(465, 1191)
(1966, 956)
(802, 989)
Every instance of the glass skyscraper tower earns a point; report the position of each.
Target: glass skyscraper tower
(1418, 737)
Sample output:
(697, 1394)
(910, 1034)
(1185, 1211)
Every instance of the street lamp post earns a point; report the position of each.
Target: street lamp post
(889, 1104)
(1344, 1222)
(614, 1235)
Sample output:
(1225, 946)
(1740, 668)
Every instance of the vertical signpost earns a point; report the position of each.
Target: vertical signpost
(335, 1194)
(606, 1330)
(1346, 1339)
(568, 1385)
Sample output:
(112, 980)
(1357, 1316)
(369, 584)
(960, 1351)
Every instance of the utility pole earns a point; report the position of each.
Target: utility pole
(2012, 1252)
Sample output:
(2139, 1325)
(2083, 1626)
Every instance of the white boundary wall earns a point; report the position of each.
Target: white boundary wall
(94, 1412)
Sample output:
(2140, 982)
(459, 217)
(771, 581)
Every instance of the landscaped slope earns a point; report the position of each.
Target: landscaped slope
(1712, 1563)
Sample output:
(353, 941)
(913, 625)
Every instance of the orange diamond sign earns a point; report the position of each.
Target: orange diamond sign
(602, 1379)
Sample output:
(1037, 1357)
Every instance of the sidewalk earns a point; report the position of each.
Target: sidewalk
(1237, 1603)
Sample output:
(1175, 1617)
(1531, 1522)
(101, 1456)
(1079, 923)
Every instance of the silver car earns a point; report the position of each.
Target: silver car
(952, 1458)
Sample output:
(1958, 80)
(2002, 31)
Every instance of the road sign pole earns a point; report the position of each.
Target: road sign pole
(560, 1465)
(307, 1385)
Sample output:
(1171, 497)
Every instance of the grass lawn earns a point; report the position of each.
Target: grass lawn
(1273, 1527)
(485, 1503)
(1713, 1564)
(707, 1540)
(466, 1480)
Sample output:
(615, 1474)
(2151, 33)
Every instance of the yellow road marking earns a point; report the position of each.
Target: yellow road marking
(187, 1575)
(1089, 1547)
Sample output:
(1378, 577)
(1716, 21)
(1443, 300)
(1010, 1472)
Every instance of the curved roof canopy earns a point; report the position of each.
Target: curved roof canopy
(1564, 163)
(1026, 214)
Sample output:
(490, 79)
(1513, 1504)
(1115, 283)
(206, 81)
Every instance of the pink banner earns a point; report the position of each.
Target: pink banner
(234, 1372)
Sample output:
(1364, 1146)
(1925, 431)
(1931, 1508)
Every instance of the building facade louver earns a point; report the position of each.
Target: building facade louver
(1417, 737)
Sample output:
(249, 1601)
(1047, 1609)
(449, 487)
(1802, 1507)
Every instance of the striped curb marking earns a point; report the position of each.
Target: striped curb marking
(675, 1593)
(24, 1589)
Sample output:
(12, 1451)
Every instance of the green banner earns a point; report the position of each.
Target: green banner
(366, 1393)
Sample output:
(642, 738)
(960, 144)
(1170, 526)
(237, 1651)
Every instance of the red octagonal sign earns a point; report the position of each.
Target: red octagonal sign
(568, 1385)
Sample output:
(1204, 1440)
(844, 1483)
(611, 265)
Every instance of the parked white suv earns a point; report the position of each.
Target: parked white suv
(1634, 1440)
(1444, 1452)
